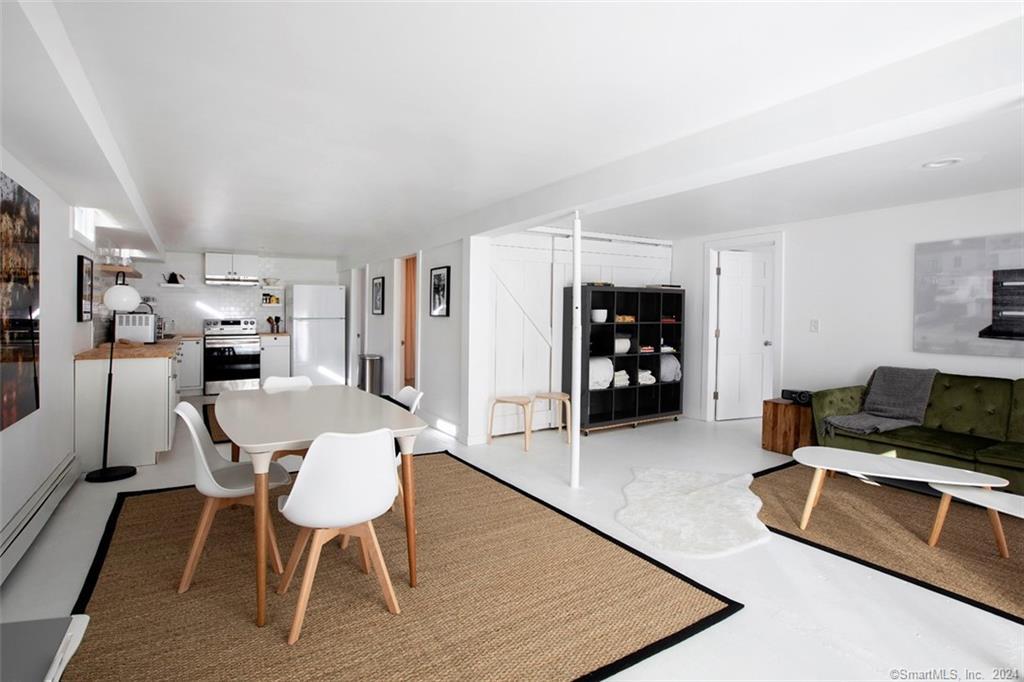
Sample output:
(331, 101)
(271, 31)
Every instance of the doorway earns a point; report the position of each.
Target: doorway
(744, 324)
(409, 322)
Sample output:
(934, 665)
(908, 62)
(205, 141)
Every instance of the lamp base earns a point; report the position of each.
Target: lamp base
(108, 474)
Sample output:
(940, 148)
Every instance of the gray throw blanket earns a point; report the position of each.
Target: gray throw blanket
(896, 397)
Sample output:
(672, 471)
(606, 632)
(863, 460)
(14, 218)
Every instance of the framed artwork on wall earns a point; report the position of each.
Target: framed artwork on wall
(969, 296)
(84, 288)
(19, 302)
(440, 291)
(377, 296)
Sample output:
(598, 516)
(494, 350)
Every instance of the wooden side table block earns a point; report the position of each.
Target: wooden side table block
(786, 426)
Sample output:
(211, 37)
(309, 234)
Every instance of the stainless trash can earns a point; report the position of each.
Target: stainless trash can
(371, 367)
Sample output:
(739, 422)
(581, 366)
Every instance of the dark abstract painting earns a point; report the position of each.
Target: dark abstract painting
(19, 302)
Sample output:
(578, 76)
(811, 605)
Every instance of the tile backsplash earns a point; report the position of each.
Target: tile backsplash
(185, 309)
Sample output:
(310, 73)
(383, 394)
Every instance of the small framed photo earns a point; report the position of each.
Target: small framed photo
(84, 288)
(440, 291)
(377, 296)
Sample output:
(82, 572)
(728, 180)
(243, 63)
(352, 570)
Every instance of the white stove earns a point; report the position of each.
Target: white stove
(231, 355)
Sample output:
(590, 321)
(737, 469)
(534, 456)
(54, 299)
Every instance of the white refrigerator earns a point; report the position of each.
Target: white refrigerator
(316, 320)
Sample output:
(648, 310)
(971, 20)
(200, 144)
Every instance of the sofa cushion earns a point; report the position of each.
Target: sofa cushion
(1016, 430)
(975, 406)
(1008, 454)
(959, 445)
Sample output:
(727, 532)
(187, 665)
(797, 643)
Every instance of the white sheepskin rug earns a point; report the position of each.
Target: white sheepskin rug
(694, 513)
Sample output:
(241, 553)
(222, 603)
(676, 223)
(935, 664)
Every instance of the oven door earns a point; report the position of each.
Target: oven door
(230, 363)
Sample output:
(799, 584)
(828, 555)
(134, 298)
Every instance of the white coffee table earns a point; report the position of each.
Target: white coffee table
(866, 464)
(995, 501)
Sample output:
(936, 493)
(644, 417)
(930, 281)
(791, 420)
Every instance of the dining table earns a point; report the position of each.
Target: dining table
(261, 423)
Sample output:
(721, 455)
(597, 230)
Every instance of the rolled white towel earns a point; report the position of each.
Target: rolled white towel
(670, 368)
(601, 372)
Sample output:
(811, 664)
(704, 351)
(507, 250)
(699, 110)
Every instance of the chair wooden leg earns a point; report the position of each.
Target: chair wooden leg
(490, 425)
(568, 421)
(364, 555)
(527, 425)
(343, 540)
(293, 559)
(235, 452)
(398, 498)
(377, 558)
(812, 495)
(940, 518)
(275, 552)
(210, 507)
(320, 536)
(997, 530)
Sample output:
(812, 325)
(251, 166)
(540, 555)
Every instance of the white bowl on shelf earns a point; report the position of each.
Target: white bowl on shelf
(622, 345)
(599, 315)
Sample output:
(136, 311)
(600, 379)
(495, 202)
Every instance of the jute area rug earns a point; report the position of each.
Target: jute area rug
(508, 589)
(887, 528)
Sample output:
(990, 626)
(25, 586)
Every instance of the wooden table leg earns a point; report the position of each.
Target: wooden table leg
(812, 497)
(409, 502)
(235, 451)
(997, 529)
(940, 518)
(260, 504)
(821, 488)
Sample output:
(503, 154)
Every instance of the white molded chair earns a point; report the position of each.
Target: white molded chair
(223, 484)
(281, 384)
(346, 481)
(410, 397)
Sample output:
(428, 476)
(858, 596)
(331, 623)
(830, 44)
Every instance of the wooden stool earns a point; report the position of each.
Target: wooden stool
(564, 406)
(522, 401)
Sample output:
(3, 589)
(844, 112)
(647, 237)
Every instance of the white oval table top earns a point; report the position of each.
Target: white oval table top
(260, 422)
(868, 464)
(1003, 502)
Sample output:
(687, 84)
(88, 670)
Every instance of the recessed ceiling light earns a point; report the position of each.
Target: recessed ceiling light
(942, 163)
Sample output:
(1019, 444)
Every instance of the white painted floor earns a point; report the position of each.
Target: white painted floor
(808, 615)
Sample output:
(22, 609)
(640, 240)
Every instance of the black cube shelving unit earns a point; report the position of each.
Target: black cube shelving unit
(658, 315)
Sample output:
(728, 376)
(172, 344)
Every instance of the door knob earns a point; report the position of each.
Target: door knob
(767, 343)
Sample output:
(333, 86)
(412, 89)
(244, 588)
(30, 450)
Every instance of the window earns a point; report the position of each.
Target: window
(83, 225)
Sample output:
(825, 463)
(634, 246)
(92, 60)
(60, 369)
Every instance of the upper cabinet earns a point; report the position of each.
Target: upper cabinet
(232, 268)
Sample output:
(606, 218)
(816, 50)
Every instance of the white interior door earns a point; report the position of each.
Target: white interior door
(744, 371)
(357, 322)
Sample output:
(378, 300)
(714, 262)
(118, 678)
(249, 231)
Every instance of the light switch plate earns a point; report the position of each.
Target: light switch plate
(815, 326)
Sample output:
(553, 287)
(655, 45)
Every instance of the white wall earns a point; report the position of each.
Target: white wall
(440, 339)
(854, 273)
(32, 447)
(381, 336)
(179, 305)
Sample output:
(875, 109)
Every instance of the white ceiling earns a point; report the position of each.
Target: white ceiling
(310, 128)
(992, 149)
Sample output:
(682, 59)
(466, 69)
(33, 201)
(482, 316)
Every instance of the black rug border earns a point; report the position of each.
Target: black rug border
(731, 605)
(882, 569)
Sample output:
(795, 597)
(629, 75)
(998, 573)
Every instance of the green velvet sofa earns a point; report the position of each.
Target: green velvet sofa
(974, 423)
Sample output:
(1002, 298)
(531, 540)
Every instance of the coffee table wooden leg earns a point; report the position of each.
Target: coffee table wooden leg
(940, 518)
(409, 502)
(997, 530)
(817, 498)
(812, 497)
(260, 503)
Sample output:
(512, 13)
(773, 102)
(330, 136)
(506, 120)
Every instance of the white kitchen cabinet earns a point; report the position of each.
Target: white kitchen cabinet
(142, 418)
(275, 356)
(232, 267)
(190, 366)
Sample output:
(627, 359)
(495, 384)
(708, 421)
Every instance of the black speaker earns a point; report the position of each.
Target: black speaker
(797, 396)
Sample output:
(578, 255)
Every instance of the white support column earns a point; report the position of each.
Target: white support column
(577, 347)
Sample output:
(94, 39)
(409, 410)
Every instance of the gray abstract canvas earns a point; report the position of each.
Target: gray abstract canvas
(969, 296)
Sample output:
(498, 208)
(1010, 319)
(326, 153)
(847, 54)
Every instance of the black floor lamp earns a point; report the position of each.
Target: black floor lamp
(119, 298)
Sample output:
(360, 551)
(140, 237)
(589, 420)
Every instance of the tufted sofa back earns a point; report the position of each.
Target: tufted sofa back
(978, 406)
(1016, 432)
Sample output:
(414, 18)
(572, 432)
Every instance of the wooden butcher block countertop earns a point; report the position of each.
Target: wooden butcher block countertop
(165, 348)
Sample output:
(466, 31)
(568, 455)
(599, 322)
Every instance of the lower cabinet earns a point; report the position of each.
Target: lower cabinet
(145, 391)
(275, 356)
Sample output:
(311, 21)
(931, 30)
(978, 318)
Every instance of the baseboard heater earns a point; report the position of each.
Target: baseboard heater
(22, 529)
